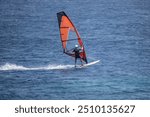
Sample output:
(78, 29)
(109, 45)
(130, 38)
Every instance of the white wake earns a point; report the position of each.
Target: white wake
(9, 66)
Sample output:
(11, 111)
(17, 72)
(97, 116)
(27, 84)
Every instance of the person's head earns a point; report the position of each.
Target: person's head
(76, 46)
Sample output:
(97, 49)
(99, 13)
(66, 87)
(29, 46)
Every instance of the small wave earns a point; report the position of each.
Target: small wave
(9, 66)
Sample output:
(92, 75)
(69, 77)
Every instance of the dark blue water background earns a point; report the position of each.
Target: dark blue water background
(33, 66)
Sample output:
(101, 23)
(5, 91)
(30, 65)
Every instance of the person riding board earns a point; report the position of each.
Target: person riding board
(76, 52)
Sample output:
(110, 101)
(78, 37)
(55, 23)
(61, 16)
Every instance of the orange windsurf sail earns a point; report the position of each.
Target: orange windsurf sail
(69, 35)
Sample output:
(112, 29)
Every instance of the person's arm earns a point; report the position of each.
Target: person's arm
(80, 49)
(69, 52)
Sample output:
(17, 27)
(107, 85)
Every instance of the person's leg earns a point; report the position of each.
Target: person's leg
(81, 61)
(75, 61)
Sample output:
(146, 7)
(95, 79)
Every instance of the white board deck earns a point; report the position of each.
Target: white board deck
(91, 63)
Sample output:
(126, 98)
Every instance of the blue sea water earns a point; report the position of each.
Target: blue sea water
(33, 66)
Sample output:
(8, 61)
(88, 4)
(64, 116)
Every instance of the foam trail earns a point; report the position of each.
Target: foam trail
(9, 66)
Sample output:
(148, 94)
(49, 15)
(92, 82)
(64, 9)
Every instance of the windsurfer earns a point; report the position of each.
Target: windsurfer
(77, 51)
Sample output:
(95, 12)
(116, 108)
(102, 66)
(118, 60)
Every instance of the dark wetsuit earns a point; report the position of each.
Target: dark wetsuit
(77, 54)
